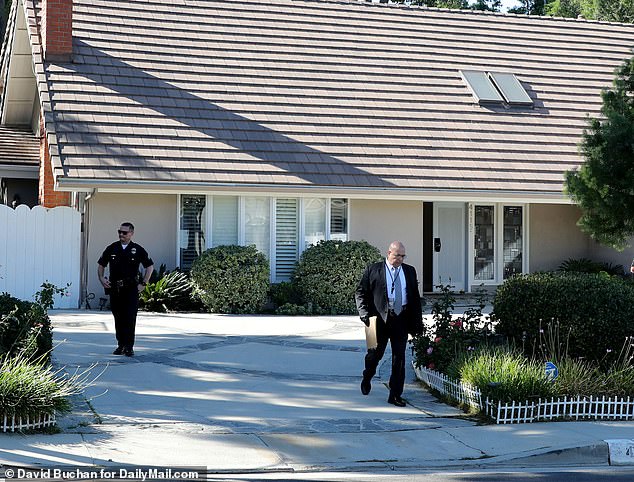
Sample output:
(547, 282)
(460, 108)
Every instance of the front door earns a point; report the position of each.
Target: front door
(449, 245)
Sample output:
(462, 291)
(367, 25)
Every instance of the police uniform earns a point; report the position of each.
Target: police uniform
(124, 279)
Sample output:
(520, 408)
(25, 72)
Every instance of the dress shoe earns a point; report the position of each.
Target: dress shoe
(365, 386)
(398, 401)
(118, 351)
(128, 352)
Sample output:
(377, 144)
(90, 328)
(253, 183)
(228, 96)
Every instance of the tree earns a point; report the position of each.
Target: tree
(603, 186)
(487, 5)
(604, 10)
(529, 7)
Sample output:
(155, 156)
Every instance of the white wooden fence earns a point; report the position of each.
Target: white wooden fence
(40, 245)
(12, 424)
(579, 408)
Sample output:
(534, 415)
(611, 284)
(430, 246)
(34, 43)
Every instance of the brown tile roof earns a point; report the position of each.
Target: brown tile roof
(18, 148)
(318, 93)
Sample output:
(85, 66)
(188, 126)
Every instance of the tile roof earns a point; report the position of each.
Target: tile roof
(303, 93)
(18, 148)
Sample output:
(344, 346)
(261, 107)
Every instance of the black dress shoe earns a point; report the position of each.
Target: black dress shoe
(118, 351)
(398, 401)
(128, 352)
(366, 386)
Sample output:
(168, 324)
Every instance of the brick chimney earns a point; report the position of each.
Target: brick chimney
(57, 30)
(48, 196)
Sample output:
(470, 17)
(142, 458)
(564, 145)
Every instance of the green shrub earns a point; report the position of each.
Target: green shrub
(593, 310)
(328, 273)
(450, 336)
(169, 292)
(284, 293)
(24, 328)
(585, 265)
(231, 279)
(502, 374)
(291, 309)
(33, 387)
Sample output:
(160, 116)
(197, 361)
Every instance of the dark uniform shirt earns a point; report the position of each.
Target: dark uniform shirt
(124, 263)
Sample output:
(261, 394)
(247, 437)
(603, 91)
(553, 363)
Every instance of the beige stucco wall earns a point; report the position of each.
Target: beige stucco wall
(155, 221)
(380, 222)
(554, 236)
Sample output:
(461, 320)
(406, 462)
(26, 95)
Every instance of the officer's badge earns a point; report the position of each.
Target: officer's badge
(133, 251)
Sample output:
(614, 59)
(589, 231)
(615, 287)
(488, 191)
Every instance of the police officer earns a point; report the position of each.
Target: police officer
(124, 285)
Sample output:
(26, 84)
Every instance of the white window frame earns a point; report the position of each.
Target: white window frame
(498, 236)
(272, 213)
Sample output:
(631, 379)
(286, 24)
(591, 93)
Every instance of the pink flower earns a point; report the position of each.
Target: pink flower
(437, 340)
(431, 366)
(430, 350)
(456, 324)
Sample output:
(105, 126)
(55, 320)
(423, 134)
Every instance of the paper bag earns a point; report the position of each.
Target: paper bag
(370, 334)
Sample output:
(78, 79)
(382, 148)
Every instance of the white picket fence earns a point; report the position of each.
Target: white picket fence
(574, 408)
(12, 424)
(40, 245)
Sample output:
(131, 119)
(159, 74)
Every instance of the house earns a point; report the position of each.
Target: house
(283, 122)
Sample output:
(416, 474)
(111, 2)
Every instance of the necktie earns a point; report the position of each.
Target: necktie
(398, 295)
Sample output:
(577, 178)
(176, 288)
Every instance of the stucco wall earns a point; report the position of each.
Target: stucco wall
(554, 236)
(155, 222)
(380, 222)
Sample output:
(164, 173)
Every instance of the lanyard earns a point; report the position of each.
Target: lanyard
(393, 278)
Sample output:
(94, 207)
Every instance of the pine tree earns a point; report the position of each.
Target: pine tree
(603, 186)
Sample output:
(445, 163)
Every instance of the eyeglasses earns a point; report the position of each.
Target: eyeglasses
(123, 233)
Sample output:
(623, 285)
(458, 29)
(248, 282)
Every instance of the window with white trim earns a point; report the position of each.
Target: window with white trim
(497, 242)
(281, 228)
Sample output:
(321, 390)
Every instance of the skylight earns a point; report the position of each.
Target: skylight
(511, 88)
(496, 88)
(481, 87)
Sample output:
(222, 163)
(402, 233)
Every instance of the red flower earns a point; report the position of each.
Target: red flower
(437, 340)
(431, 366)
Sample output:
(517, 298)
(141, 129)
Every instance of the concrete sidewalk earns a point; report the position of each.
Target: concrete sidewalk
(265, 393)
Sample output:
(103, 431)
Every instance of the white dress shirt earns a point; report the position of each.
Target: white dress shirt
(390, 273)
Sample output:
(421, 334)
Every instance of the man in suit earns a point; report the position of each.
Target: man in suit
(389, 291)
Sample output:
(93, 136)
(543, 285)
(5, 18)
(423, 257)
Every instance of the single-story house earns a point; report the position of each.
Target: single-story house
(283, 122)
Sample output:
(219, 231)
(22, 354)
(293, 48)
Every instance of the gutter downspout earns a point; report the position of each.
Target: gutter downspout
(85, 237)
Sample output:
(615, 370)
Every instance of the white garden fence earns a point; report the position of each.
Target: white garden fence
(12, 424)
(579, 408)
(40, 245)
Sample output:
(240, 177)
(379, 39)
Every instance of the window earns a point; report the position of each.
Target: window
(511, 89)
(257, 223)
(286, 236)
(192, 228)
(497, 242)
(496, 87)
(224, 224)
(339, 219)
(484, 265)
(314, 221)
(281, 228)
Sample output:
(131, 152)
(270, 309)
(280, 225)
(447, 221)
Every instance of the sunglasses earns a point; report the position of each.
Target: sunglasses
(123, 233)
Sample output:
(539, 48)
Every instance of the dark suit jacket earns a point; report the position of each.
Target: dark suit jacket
(371, 295)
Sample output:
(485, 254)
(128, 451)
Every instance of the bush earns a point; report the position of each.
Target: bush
(231, 279)
(25, 328)
(32, 387)
(328, 273)
(450, 336)
(593, 310)
(585, 265)
(169, 292)
(502, 374)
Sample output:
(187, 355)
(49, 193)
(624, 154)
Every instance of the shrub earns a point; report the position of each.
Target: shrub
(169, 292)
(594, 310)
(33, 387)
(231, 279)
(24, 328)
(450, 336)
(328, 273)
(502, 374)
(284, 293)
(585, 265)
